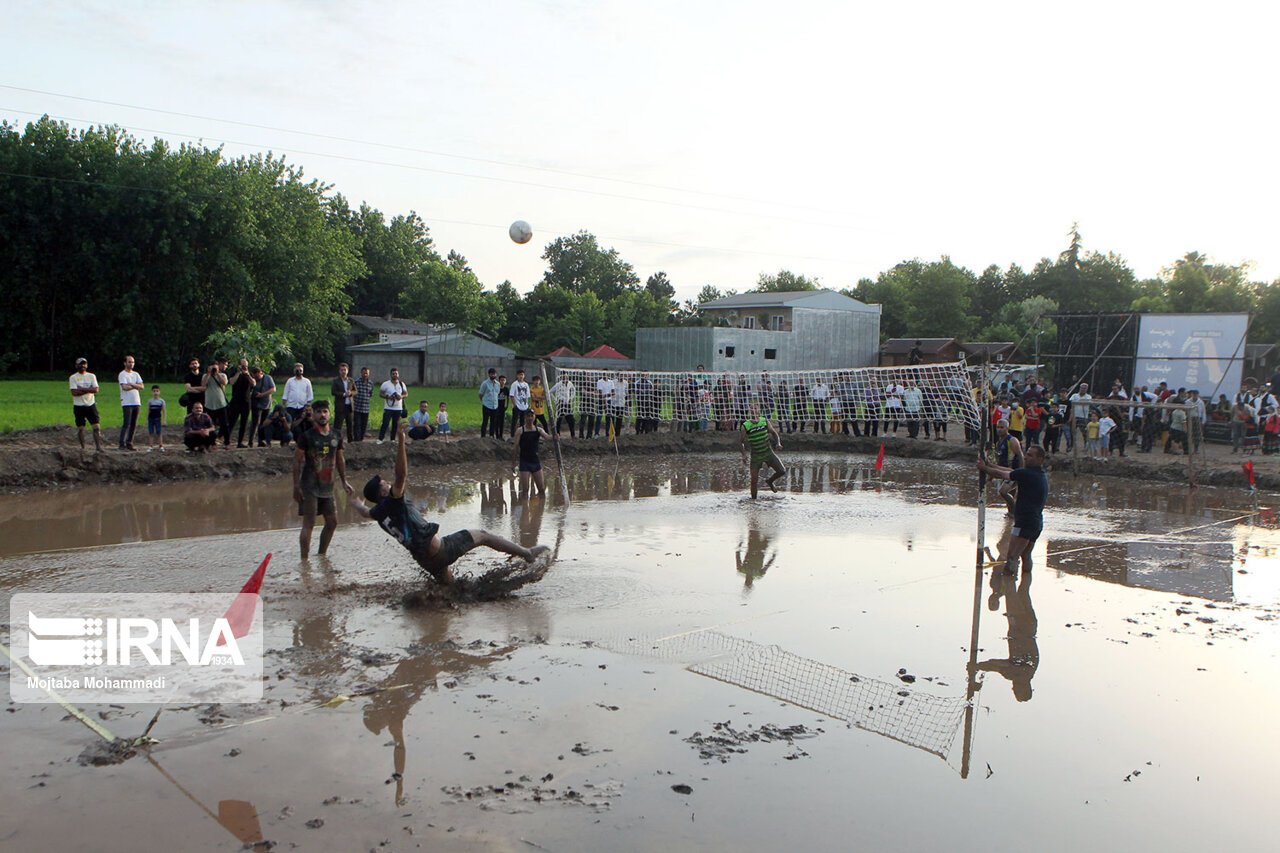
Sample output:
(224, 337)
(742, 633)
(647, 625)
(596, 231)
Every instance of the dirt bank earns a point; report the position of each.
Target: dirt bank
(51, 457)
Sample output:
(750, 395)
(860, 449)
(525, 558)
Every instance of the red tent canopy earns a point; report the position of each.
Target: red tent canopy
(562, 352)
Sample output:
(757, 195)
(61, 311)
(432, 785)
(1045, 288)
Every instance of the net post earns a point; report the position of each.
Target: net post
(971, 667)
(555, 416)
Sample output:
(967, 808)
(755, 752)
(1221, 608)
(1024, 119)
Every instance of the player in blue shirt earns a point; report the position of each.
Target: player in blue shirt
(1028, 509)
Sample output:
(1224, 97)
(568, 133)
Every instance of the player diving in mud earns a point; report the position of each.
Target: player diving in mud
(388, 505)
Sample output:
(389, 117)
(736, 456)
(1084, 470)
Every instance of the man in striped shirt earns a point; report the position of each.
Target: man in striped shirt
(760, 436)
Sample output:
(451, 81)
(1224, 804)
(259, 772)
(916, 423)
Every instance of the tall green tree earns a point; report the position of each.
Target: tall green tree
(578, 264)
(784, 282)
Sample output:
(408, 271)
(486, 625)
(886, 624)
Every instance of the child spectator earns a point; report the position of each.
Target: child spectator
(155, 419)
(442, 421)
(1092, 444)
(1105, 427)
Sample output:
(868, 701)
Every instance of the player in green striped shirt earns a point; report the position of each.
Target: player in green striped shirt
(760, 436)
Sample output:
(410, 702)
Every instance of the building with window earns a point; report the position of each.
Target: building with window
(799, 330)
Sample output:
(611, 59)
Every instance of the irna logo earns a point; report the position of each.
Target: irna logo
(91, 641)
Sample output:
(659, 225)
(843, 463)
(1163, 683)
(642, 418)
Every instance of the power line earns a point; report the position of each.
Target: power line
(389, 146)
(516, 181)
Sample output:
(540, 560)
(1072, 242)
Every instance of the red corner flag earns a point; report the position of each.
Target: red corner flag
(1248, 472)
(240, 614)
(880, 457)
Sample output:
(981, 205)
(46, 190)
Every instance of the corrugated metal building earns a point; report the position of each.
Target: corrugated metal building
(446, 357)
(801, 330)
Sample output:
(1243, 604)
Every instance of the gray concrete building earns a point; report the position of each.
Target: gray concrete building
(800, 330)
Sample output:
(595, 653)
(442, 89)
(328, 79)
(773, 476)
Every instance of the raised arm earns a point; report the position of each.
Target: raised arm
(402, 463)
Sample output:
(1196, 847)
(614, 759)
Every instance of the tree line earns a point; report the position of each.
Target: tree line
(109, 244)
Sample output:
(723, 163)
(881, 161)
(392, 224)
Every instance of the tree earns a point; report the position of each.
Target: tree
(890, 293)
(439, 292)
(262, 347)
(784, 282)
(578, 265)
(661, 289)
(921, 299)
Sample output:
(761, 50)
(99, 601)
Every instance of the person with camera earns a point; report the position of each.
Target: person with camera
(242, 385)
(278, 427)
(215, 398)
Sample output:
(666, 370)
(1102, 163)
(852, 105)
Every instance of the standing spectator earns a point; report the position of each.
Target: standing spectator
(916, 355)
(263, 389)
(1055, 417)
(360, 405)
(1196, 419)
(819, 394)
(646, 405)
(304, 422)
(722, 397)
(84, 385)
(1092, 433)
(1017, 418)
(538, 402)
(1177, 429)
(242, 384)
(592, 404)
(1106, 426)
(297, 393)
(489, 422)
(892, 404)
(519, 395)
(785, 404)
(564, 395)
(393, 392)
(504, 396)
(1268, 419)
(618, 403)
(155, 419)
(1032, 417)
(799, 406)
(871, 399)
(198, 431)
(278, 427)
(1241, 418)
(420, 422)
(130, 402)
(912, 407)
(846, 394)
(1079, 412)
(343, 390)
(442, 421)
(192, 386)
(1119, 434)
(215, 400)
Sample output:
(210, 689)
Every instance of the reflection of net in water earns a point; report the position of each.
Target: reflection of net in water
(933, 392)
(896, 711)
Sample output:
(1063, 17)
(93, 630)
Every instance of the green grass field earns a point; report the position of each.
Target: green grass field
(30, 403)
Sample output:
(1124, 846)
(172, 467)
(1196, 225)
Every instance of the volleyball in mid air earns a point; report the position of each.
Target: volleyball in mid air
(520, 231)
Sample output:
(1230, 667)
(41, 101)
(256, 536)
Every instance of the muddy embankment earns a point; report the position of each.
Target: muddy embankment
(51, 457)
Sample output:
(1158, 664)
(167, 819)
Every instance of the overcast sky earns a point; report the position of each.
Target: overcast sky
(713, 140)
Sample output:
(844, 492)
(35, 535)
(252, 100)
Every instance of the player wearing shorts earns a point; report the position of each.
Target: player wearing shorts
(84, 385)
(390, 507)
(1008, 455)
(317, 455)
(760, 436)
(1028, 510)
(524, 453)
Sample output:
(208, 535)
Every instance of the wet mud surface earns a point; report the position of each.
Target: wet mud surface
(694, 671)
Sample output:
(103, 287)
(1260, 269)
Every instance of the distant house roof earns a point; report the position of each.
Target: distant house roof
(828, 299)
(988, 348)
(390, 325)
(1257, 352)
(562, 352)
(605, 351)
(902, 346)
(443, 340)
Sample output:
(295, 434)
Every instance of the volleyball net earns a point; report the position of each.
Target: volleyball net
(933, 393)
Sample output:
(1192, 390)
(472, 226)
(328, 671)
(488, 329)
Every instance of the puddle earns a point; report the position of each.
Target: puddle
(696, 671)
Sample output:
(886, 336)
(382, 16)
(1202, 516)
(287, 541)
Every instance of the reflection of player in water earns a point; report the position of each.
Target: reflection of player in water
(406, 525)
(402, 690)
(757, 559)
(1024, 653)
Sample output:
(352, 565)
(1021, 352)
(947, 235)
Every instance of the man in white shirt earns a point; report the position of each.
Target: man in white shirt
(1196, 418)
(618, 403)
(893, 405)
(819, 394)
(83, 386)
(297, 393)
(1080, 409)
(519, 396)
(913, 407)
(130, 402)
(393, 392)
(564, 394)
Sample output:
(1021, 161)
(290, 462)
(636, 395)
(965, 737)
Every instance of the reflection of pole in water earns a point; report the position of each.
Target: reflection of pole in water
(972, 689)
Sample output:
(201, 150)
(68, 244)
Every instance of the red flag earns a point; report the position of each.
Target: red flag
(880, 457)
(240, 614)
(1248, 472)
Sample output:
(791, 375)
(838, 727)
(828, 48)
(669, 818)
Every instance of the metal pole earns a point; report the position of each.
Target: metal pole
(551, 408)
(979, 558)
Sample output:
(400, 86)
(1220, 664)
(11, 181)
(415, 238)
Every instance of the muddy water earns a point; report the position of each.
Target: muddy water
(697, 671)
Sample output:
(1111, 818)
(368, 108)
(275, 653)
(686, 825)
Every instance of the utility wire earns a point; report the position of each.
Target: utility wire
(393, 147)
